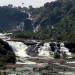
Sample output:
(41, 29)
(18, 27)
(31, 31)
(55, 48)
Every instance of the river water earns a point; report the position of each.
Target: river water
(32, 65)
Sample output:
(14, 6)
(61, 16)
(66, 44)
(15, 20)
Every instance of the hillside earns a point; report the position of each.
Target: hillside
(6, 54)
(54, 20)
(57, 18)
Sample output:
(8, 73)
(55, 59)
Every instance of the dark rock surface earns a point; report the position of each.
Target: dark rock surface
(70, 46)
(33, 49)
(6, 53)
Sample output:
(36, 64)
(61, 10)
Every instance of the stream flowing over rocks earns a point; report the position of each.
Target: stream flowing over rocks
(38, 58)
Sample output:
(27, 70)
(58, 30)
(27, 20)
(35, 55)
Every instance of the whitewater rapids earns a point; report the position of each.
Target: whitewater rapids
(44, 50)
(19, 48)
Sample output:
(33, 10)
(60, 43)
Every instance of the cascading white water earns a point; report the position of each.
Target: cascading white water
(4, 37)
(19, 48)
(29, 16)
(64, 49)
(44, 50)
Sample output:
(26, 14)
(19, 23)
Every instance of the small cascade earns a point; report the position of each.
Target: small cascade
(24, 53)
(29, 16)
(19, 48)
(4, 36)
(44, 50)
(64, 49)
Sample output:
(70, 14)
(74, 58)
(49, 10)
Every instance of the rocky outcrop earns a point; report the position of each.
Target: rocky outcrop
(70, 46)
(6, 53)
(33, 49)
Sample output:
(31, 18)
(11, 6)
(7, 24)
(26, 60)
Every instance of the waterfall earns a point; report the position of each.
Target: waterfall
(29, 16)
(19, 48)
(64, 49)
(4, 36)
(44, 50)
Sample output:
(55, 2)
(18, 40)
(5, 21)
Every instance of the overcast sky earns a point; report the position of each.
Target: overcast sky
(34, 3)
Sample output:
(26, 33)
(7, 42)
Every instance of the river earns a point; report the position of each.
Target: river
(35, 65)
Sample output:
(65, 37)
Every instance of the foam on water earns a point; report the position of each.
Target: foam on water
(26, 62)
(67, 73)
(64, 49)
(19, 48)
(44, 50)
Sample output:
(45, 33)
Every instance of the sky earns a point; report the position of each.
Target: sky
(34, 3)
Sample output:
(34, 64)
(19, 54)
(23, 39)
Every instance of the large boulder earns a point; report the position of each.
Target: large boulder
(70, 46)
(6, 53)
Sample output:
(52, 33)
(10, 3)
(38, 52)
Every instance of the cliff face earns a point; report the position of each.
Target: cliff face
(11, 19)
(6, 53)
(57, 13)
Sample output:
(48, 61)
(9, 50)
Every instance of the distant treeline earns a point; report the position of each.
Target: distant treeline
(10, 17)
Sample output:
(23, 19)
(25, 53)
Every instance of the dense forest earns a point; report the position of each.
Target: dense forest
(55, 20)
(11, 17)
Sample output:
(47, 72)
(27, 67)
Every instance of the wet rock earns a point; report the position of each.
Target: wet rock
(6, 53)
(70, 46)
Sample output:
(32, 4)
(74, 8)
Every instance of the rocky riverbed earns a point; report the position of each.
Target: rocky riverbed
(42, 66)
(38, 59)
